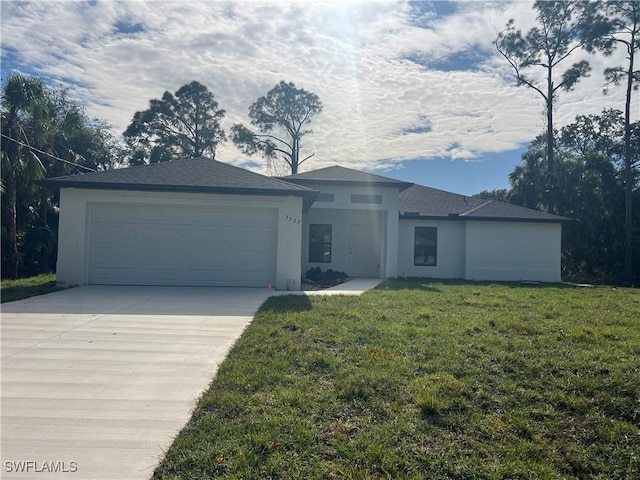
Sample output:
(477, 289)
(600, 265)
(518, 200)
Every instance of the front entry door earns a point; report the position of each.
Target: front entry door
(362, 256)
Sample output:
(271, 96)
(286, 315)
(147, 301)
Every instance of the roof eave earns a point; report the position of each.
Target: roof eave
(402, 186)
(484, 219)
(307, 195)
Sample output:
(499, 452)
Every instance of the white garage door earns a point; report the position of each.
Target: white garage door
(181, 245)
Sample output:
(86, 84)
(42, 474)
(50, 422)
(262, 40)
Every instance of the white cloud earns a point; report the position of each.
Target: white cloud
(353, 55)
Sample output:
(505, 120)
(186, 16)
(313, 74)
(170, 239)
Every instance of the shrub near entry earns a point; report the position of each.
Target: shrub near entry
(329, 278)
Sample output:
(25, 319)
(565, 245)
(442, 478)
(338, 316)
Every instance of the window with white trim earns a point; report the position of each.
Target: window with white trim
(425, 247)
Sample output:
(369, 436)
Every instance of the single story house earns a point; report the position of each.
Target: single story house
(202, 222)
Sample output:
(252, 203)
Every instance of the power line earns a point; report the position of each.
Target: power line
(48, 154)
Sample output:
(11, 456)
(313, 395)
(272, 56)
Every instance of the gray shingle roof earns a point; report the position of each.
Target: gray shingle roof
(192, 175)
(204, 175)
(419, 201)
(345, 176)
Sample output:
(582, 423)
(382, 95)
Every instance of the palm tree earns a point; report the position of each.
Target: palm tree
(22, 97)
(59, 132)
(44, 133)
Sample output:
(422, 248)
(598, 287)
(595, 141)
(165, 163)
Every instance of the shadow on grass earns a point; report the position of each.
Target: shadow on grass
(409, 284)
(286, 303)
(431, 284)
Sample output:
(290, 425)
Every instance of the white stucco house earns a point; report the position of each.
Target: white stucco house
(203, 222)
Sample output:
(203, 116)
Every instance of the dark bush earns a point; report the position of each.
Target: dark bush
(331, 277)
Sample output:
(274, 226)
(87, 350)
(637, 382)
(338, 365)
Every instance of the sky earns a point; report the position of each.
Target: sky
(411, 90)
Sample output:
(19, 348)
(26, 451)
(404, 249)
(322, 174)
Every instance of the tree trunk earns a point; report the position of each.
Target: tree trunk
(295, 156)
(550, 144)
(628, 176)
(11, 200)
(11, 225)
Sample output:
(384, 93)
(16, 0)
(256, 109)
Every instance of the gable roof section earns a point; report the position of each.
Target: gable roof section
(424, 202)
(344, 176)
(198, 175)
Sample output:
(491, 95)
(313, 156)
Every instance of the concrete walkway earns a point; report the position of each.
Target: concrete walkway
(356, 286)
(97, 380)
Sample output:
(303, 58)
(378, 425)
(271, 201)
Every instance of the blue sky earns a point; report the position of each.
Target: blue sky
(411, 90)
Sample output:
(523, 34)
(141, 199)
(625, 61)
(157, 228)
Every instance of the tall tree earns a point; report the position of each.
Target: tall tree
(528, 185)
(500, 194)
(562, 29)
(625, 22)
(281, 117)
(589, 154)
(601, 133)
(184, 125)
(22, 97)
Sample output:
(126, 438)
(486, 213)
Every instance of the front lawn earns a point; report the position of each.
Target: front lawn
(426, 380)
(12, 290)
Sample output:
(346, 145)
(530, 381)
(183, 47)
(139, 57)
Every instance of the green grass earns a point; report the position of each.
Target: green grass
(426, 380)
(12, 290)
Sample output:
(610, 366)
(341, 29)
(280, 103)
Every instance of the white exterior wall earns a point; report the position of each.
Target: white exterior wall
(73, 268)
(288, 267)
(340, 221)
(393, 226)
(513, 251)
(339, 213)
(450, 251)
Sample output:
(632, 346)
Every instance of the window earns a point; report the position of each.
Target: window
(363, 198)
(425, 247)
(320, 243)
(325, 197)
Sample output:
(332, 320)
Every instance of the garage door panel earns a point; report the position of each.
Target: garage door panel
(113, 214)
(215, 260)
(212, 217)
(200, 246)
(258, 279)
(159, 257)
(251, 261)
(160, 215)
(113, 233)
(114, 275)
(204, 276)
(160, 276)
(209, 217)
(256, 221)
(205, 235)
(201, 216)
(159, 235)
(258, 239)
(108, 257)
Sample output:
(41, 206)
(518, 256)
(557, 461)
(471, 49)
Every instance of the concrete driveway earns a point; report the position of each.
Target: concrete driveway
(97, 380)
